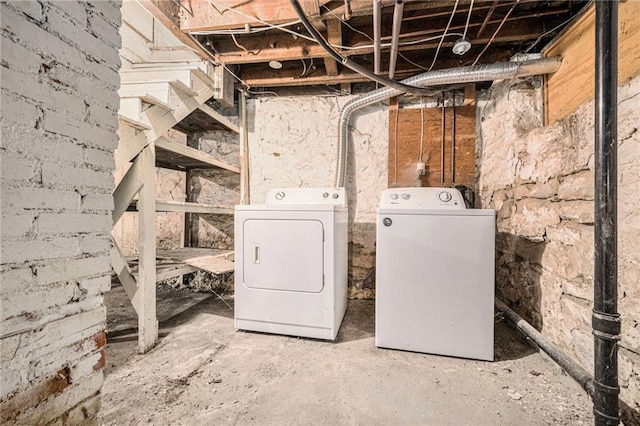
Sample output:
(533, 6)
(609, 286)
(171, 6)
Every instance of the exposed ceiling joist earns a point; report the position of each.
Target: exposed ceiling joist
(240, 34)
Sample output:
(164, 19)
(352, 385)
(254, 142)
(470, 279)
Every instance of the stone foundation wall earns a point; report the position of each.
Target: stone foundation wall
(540, 180)
(59, 119)
(220, 188)
(292, 143)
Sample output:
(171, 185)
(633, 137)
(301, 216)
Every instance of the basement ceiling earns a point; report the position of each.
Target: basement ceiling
(242, 35)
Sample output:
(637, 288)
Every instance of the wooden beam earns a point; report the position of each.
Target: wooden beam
(470, 94)
(572, 84)
(126, 190)
(244, 151)
(287, 49)
(122, 270)
(487, 17)
(219, 117)
(195, 154)
(227, 14)
(173, 25)
(255, 79)
(334, 37)
(182, 206)
(146, 304)
(258, 49)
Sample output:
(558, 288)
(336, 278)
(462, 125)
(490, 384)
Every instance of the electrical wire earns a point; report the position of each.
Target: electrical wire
(304, 69)
(395, 147)
(496, 32)
(421, 129)
(435, 57)
(283, 28)
(549, 32)
(233, 37)
(252, 30)
(397, 85)
(466, 26)
(331, 12)
(262, 92)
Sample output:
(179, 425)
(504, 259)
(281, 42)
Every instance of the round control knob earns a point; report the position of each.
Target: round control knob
(325, 195)
(387, 221)
(279, 195)
(335, 196)
(445, 196)
(405, 196)
(394, 196)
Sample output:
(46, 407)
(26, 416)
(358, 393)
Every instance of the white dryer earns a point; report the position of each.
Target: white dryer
(291, 263)
(434, 274)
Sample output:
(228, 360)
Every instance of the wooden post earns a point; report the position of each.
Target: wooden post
(146, 309)
(244, 151)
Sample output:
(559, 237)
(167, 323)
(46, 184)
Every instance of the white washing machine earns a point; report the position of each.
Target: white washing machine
(291, 263)
(434, 274)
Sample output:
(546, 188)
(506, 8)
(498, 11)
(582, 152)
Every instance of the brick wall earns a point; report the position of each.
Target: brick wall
(59, 81)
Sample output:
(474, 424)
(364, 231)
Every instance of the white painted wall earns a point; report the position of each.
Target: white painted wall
(59, 121)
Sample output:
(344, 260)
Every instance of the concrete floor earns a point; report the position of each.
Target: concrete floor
(204, 372)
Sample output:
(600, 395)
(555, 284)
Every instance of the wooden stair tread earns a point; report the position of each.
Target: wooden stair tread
(171, 153)
(183, 206)
(176, 262)
(133, 123)
(216, 261)
(155, 101)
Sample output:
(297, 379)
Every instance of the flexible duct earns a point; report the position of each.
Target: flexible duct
(499, 71)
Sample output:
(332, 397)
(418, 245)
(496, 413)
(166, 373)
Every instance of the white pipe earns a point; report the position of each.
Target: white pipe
(395, 37)
(377, 36)
(476, 73)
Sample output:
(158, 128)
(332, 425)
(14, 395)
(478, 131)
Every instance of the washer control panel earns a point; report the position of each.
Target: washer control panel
(422, 198)
(331, 196)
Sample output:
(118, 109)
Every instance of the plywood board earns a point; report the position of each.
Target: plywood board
(573, 84)
(404, 147)
(211, 260)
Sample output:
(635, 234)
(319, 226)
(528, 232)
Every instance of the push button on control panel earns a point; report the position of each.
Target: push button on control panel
(444, 196)
(405, 196)
(394, 196)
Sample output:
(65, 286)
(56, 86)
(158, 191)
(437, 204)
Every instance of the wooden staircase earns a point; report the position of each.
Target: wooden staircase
(153, 100)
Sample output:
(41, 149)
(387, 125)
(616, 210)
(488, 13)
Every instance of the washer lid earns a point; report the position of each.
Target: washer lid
(422, 198)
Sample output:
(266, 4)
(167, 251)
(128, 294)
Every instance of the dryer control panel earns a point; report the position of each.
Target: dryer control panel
(324, 196)
(422, 198)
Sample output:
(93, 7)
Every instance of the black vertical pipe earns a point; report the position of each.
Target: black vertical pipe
(606, 320)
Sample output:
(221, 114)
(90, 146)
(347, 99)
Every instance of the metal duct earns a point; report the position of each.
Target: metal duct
(499, 71)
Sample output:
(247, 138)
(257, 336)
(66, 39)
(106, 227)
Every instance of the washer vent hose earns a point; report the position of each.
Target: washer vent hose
(460, 75)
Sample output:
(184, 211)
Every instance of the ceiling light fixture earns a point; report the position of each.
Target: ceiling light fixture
(461, 46)
(276, 65)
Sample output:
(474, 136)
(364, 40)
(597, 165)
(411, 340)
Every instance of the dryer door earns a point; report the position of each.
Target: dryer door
(284, 254)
